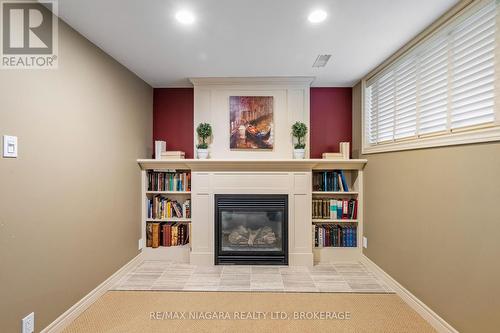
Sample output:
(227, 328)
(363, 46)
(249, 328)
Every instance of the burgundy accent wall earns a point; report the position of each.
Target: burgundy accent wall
(173, 112)
(331, 119)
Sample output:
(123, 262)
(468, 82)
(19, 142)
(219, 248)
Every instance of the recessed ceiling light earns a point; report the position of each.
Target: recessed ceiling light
(184, 17)
(317, 16)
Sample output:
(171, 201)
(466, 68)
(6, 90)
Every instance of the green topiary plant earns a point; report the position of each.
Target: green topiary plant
(204, 131)
(299, 130)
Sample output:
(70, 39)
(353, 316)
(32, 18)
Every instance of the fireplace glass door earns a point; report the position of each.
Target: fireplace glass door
(251, 229)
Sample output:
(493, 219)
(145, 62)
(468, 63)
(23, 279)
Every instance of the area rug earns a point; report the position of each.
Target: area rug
(168, 311)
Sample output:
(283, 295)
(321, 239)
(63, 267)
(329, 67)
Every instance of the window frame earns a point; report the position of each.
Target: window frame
(488, 132)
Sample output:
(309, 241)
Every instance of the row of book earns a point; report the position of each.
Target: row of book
(335, 209)
(169, 181)
(167, 234)
(160, 207)
(335, 235)
(330, 181)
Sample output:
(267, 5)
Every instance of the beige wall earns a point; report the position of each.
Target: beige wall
(432, 220)
(70, 204)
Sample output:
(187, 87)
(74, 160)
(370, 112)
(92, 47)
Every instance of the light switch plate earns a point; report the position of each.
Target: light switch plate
(29, 323)
(365, 242)
(141, 244)
(9, 146)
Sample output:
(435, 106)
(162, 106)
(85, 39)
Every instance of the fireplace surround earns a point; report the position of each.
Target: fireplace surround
(251, 229)
(207, 184)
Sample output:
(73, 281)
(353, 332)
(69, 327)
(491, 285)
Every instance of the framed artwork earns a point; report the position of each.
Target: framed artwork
(251, 122)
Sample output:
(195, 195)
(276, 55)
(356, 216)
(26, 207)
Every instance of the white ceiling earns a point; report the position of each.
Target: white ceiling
(250, 37)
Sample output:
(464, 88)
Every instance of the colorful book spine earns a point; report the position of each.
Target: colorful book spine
(335, 235)
(169, 181)
(330, 181)
(160, 207)
(334, 209)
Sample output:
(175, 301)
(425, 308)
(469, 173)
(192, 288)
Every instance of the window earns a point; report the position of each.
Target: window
(441, 92)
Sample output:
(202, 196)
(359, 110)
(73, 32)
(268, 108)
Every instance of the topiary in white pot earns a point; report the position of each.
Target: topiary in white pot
(299, 131)
(204, 131)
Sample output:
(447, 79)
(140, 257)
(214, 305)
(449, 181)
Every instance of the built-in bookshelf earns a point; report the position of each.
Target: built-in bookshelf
(298, 170)
(336, 213)
(167, 212)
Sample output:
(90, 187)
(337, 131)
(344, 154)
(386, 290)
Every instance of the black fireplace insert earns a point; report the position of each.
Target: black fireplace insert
(251, 229)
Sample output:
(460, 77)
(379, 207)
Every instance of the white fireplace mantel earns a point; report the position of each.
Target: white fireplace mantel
(289, 165)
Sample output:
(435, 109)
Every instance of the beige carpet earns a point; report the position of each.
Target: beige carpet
(130, 311)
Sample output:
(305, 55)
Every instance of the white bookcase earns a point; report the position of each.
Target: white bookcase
(354, 179)
(353, 171)
(179, 253)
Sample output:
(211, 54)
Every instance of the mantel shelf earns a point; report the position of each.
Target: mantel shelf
(252, 165)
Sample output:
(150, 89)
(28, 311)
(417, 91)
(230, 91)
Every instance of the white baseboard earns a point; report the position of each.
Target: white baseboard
(67, 317)
(430, 316)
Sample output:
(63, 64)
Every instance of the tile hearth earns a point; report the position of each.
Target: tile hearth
(335, 277)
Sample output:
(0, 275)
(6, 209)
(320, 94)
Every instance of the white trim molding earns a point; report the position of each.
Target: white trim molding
(420, 307)
(252, 81)
(489, 134)
(72, 313)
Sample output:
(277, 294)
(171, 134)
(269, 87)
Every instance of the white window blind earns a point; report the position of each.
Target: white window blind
(445, 84)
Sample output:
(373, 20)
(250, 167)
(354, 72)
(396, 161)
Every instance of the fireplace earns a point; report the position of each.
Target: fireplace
(251, 229)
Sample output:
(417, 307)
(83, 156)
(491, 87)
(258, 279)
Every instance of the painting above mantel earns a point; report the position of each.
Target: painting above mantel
(251, 122)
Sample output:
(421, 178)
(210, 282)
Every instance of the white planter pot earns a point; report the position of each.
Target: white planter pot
(202, 153)
(299, 154)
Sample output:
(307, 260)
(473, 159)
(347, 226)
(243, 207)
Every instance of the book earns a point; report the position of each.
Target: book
(172, 155)
(332, 156)
(345, 209)
(339, 208)
(155, 238)
(343, 154)
(333, 209)
(160, 147)
(320, 239)
(315, 235)
(345, 188)
(149, 234)
(345, 149)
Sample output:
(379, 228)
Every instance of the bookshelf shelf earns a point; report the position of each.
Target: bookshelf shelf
(328, 230)
(168, 192)
(333, 221)
(335, 193)
(169, 220)
(253, 165)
